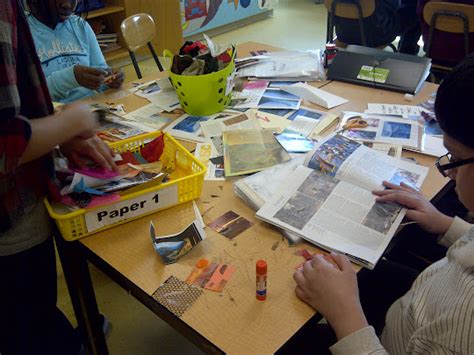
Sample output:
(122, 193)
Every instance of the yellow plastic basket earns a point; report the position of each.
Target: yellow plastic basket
(203, 95)
(188, 176)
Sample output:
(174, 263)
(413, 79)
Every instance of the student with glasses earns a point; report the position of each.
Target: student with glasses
(432, 313)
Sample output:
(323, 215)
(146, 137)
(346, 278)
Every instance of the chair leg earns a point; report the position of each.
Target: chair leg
(155, 57)
(393, 47)
(135, 64)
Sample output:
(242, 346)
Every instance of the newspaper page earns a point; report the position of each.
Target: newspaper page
(255, 189)
(330, 202)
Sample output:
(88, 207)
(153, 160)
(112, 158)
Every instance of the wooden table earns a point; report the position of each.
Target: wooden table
(232, 321)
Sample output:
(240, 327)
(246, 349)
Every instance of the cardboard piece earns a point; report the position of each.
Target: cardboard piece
(317, 96)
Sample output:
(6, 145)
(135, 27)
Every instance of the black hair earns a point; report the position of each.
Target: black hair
(40, 8)
(455, 102)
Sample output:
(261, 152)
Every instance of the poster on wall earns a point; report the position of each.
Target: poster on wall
(202, 15)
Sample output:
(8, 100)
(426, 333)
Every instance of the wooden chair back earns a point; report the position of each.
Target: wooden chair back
(450, 16)
(138, 30)
(357, 10)
(349, 10)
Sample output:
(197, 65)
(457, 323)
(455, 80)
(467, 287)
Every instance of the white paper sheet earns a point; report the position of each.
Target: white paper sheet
(404, 111)
(317, 96)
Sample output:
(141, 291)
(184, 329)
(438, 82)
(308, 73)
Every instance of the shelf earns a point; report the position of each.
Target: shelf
(105, 11)
(118, 53)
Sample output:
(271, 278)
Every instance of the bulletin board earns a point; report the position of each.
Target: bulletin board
(202, 15)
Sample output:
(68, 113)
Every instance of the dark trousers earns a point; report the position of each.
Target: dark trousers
(30, 322)
(409, 29)
(405, 23)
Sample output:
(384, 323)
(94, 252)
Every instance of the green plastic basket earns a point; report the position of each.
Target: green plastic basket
(202, 95)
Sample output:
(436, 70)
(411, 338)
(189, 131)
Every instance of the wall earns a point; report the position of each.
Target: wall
(202, 15)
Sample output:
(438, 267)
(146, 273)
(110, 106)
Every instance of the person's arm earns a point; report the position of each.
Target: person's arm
(21, 140)
(330, 287)
(61, 82)
(48, 132)
(97, 60)
(424, 213)
(458, 229)
(361, 342)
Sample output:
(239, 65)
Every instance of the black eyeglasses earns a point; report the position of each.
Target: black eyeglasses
(446, 164)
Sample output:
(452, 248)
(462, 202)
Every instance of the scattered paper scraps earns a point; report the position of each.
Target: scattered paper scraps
(159, 92)
(149, 116)
(277, 112)
(269, 120)
(203, 152)
(112, 128)
(295, 143)
(188, 127)
(230, 224)
(211, 276)
(258, 52)
(173, 247)
(176, 295)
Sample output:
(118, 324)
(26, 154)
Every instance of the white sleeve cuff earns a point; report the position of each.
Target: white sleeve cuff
(458, 228)
(362, 342)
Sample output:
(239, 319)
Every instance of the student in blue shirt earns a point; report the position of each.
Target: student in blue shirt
(67, 47)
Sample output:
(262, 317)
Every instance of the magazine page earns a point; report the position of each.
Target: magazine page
(249, 151)
(364, 167)
(334, 215)
(213, 129)
(330, 202)
(382, 129)
(261, 186)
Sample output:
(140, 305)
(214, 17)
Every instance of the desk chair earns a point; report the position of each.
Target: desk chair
(355, 11)
(138, 30)
(448, 17)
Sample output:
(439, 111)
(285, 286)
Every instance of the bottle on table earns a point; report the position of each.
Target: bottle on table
(329, 53)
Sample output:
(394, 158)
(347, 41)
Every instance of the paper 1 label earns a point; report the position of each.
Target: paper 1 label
(377, 75)
(118, 212)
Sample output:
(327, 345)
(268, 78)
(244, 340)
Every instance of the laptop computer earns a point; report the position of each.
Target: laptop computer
(391, 71)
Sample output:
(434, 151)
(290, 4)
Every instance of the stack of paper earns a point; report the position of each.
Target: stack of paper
(285, 65)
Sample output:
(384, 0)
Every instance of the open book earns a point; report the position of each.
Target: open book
(329, 202)
(258, 188)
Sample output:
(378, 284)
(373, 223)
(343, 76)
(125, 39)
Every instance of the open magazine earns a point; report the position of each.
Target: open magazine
(329, 202)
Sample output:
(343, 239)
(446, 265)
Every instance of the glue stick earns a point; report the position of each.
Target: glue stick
(261, 280)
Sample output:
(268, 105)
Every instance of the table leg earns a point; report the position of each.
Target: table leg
(82, 295)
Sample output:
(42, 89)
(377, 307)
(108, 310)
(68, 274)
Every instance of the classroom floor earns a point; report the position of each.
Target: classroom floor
(296, 24)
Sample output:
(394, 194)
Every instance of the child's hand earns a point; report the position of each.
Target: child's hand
(420, 209)
(79, 150)
(115, 80)
(81, 119)
(331, 289)
(88, 77)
